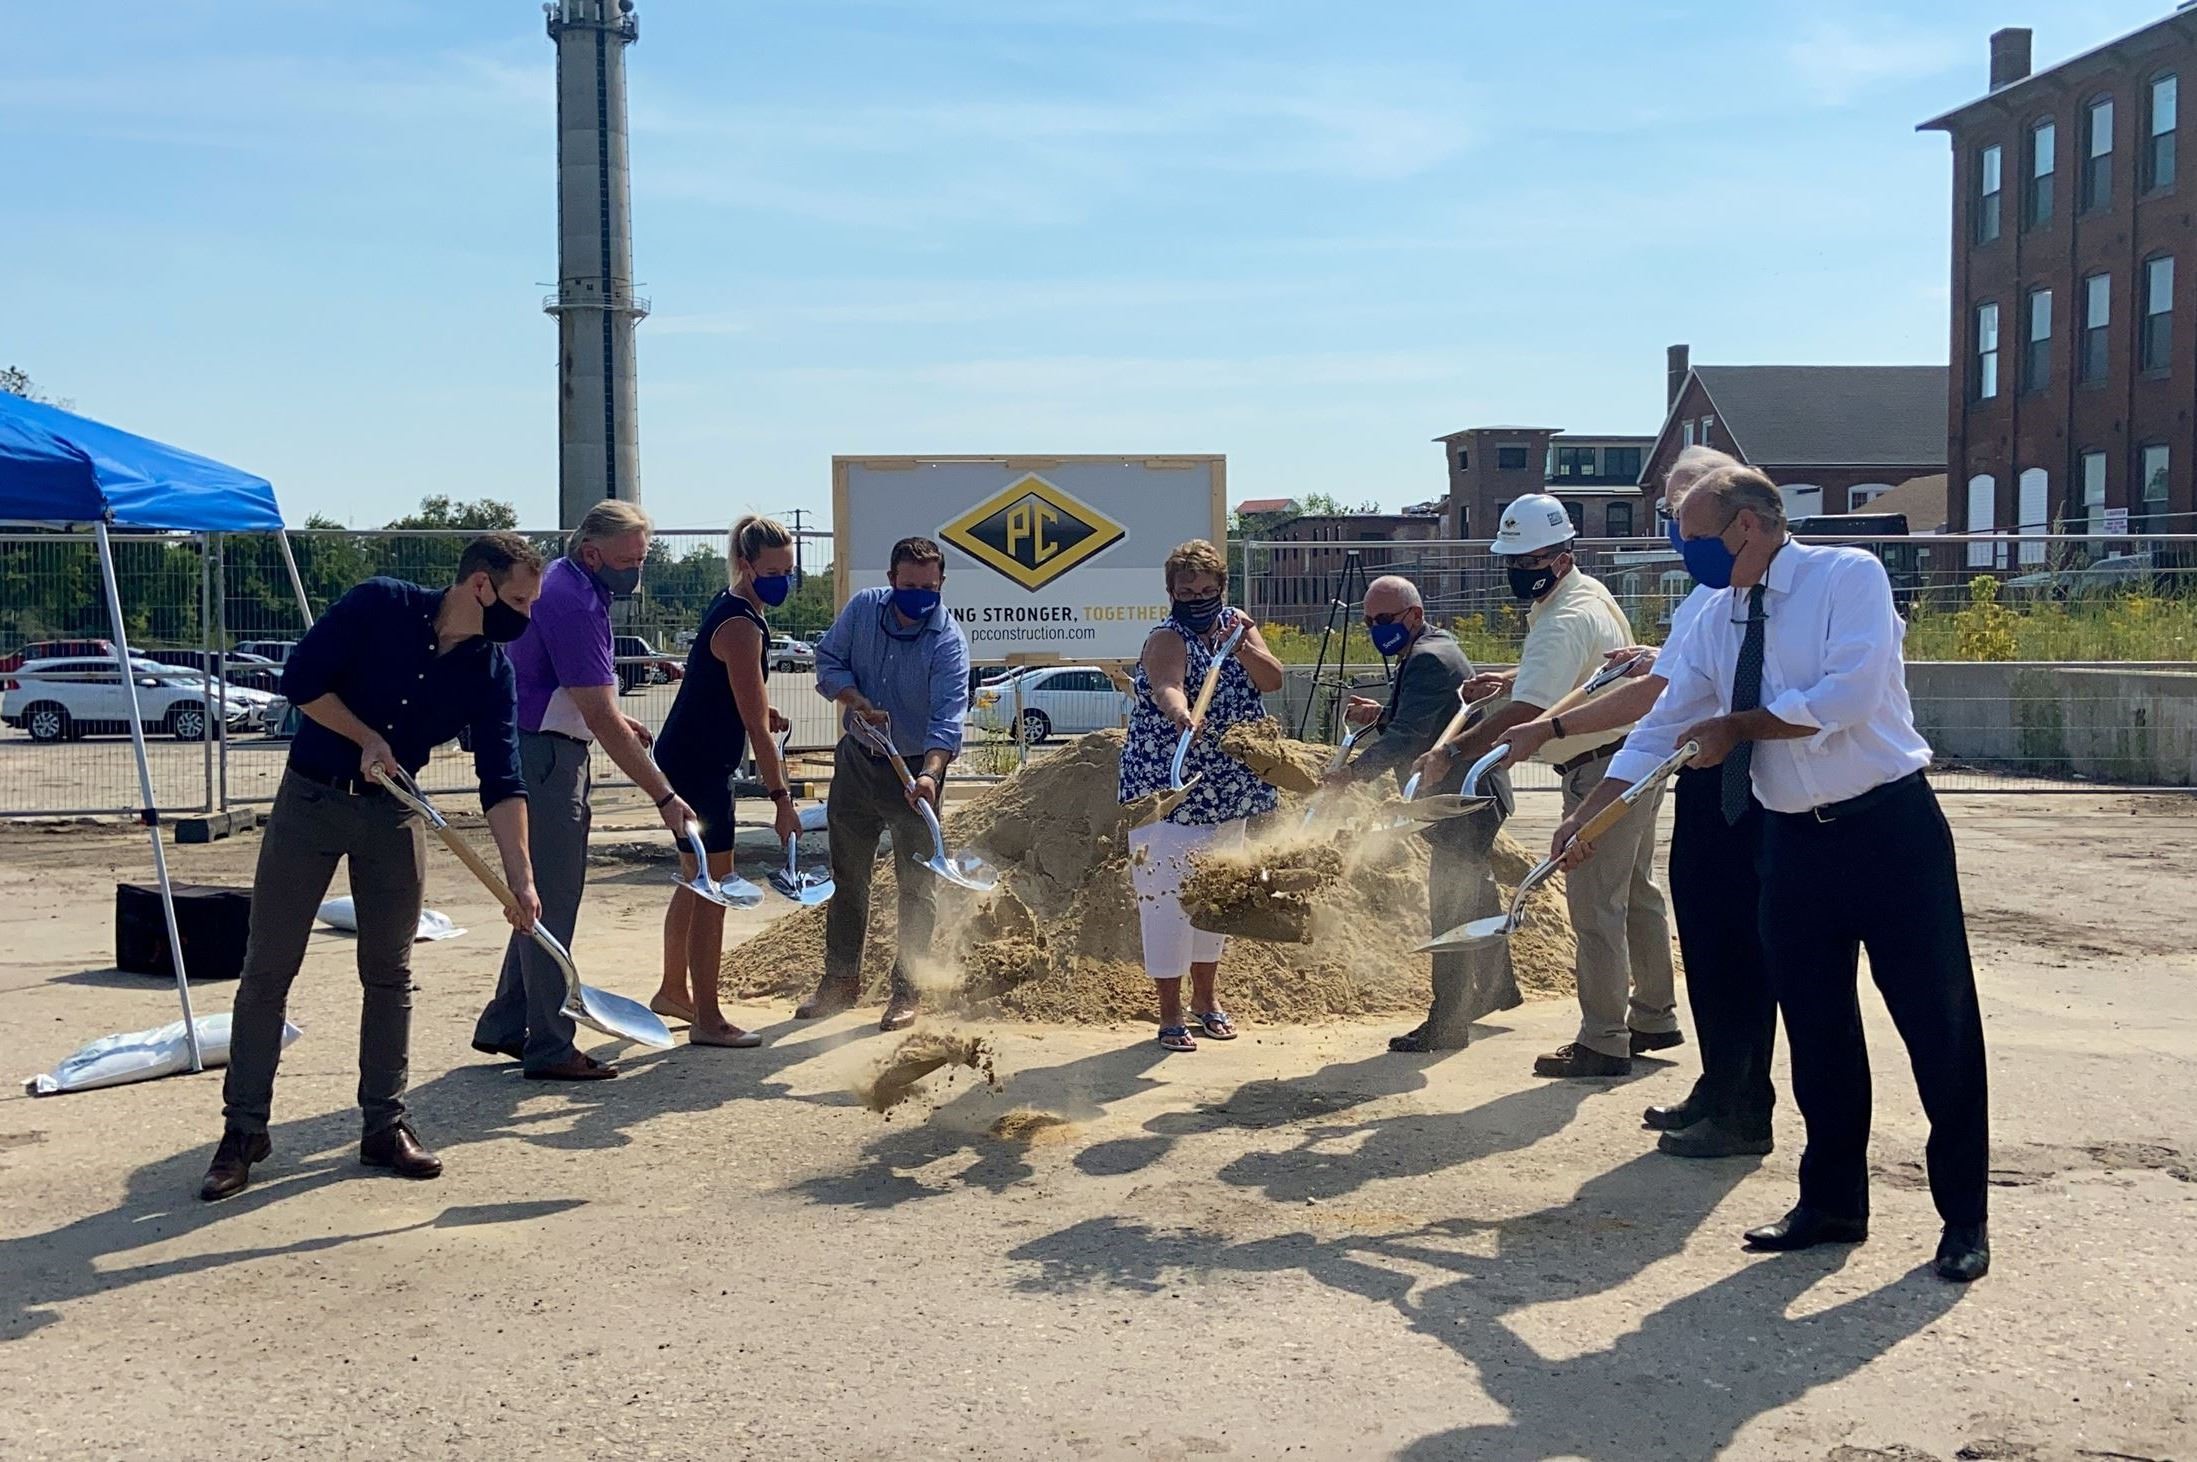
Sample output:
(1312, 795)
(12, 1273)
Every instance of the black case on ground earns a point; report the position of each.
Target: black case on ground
(213, 922)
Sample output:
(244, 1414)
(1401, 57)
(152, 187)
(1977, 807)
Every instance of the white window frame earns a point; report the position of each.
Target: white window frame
(2033, 495)
(1983, 512)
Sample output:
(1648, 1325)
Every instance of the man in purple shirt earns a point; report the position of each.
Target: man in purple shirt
(567, 702)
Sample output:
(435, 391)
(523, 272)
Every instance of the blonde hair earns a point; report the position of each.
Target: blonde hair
(610, 518)
(752, 536)
(1196, 557)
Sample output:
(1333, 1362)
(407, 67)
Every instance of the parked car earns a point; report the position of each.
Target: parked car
(1066, 700)
(275, 650)
(788, 653)
(254, 672)
(641, 663)
(55, 650)
(57, 700)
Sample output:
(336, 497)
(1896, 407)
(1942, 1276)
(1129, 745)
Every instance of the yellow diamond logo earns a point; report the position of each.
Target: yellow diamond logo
(1032, 532)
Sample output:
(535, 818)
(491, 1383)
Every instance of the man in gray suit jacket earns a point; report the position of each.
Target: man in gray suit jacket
(1430, 668)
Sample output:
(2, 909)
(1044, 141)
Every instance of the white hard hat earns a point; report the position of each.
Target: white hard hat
(1532, 523)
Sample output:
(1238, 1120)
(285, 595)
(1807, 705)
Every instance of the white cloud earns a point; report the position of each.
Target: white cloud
(1839, 60)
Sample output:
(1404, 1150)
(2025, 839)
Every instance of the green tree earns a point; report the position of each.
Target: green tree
(443, 511)
(17, 382)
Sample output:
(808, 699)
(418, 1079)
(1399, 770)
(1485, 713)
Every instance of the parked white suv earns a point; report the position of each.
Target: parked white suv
(788, 653)
(1064, 700)
(55, 700)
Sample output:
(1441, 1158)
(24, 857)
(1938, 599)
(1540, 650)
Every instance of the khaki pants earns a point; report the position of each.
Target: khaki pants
(866, 802)
(1623, 925)
(309, 831)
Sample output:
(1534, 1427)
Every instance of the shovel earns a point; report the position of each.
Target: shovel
(1177, 788)
(1502, 926)
(805, 889)
(734, 892)
(613, 1015)
(969, 871)
(1439, 806)
(1334, 764)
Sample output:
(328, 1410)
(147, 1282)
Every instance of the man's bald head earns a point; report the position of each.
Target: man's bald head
(1391, 594)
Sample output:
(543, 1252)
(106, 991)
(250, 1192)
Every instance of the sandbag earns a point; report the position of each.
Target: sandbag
(142, 1056)
(342, 914)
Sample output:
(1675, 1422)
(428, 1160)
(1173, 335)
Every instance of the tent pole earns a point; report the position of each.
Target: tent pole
(297, 585)
(149, 814)
(215, 666)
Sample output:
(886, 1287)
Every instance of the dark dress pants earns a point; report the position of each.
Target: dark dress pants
(1881, 879)
(1715, 896)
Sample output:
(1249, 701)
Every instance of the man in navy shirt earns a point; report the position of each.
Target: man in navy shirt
(392, 671)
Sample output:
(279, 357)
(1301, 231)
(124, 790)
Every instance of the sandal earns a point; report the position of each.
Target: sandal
(1216, 1024)
(736, 1040)
(1176, 1038)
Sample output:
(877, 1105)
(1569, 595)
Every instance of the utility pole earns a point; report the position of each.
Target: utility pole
(800, 518)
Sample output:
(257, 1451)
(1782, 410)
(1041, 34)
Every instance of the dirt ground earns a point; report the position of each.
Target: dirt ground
(1295, 1245)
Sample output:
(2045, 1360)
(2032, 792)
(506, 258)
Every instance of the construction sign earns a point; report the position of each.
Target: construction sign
(1046, 558)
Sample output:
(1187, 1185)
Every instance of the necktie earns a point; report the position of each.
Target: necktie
(1746, 696)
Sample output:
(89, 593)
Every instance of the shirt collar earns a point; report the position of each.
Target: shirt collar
(1783, 567)
(594, 585)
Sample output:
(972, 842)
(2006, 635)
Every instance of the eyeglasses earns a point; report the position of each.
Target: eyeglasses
(1375, 621)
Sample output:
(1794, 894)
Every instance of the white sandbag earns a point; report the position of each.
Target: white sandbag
(143, 1055)
(343, 914)
(812, 819)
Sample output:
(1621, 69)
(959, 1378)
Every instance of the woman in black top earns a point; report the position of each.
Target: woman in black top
(723, 708)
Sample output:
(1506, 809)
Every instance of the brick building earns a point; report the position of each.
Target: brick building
(2074, 254)
(1833, 437)
(1301, 565)
(1596, 477)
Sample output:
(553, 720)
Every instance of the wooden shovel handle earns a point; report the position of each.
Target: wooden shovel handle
(479, 865)
(1457, 724)
(1609, 816)
(1212, 683)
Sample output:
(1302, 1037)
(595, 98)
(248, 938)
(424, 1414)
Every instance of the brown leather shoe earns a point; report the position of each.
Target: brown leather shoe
(398, 1149)
(900, 1014)
(231, 1170)
(575, 1067)
(1574, 1061)
(833, 994)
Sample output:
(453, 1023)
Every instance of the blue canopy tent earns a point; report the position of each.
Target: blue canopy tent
(61, 470)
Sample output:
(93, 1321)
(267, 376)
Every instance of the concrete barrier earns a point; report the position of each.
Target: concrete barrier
(2123, 724)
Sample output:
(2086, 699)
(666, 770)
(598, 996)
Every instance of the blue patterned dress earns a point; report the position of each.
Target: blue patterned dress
(1227, 790)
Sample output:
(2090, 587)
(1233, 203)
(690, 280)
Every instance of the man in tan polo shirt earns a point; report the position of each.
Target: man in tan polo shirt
(1627, 1003)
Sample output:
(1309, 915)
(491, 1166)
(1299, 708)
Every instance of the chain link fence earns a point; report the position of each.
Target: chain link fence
(2036, 662)
(210, 619)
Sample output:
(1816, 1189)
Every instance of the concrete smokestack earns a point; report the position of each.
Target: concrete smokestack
(2009, 56)
(1677, 363)
(598, 421)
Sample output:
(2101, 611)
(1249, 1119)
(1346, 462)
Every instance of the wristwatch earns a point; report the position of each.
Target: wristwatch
(781, 794)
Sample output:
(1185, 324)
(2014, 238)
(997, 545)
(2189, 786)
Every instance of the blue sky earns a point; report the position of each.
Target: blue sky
(310, 236)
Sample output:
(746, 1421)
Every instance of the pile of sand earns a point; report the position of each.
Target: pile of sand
(1262, 745)
(1267, 891)
(1058, 940)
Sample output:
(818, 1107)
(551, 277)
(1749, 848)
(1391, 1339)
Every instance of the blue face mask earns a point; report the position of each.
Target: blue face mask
(915, 604)
(1390, 638)
(772, 589)
(1707, 559)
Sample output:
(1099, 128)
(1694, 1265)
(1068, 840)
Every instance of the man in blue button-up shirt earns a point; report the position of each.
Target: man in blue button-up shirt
(389, 673)
(896, 659)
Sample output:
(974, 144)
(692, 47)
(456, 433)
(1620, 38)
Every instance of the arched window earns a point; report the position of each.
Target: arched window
(1983, 516)
(2097, 154)
(2160, 106)
(2044, 165)
(2033, 511)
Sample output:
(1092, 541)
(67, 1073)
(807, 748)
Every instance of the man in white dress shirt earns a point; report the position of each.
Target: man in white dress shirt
(1792, 681)
(1713, 897)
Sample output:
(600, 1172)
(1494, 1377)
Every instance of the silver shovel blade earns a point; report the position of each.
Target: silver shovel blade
(968, 871)
(736, 892)
(620, 1016)
(613, 1015)
(1466, 936)
(805, 889)
(1440, 807)
(701, 887)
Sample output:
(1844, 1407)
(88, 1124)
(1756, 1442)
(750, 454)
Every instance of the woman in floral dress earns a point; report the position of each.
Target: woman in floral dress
(1224, 795)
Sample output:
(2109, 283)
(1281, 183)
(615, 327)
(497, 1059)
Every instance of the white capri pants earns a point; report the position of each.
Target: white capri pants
(1159, 857)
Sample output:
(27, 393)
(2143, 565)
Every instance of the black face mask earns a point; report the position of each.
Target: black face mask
(1197, 615)
(500, 623)
(1531, 584)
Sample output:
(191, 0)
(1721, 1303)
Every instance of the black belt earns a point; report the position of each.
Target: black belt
(1853, 806)
(1589, 758)
(561, 736)
(345, 782)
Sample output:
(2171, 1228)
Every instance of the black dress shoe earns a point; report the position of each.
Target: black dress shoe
(1673, 1118)
(1645, 1041)
(1713, 1138)
(1576, 1060)
(1806, 1227)
(231, 1170)
(831, 997)
(1964, 1254)
(514, 1050)
(398, 1149)
(1413, 1040)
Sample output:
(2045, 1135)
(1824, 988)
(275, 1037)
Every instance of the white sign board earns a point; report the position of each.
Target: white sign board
(1046, 557)
(2116, 522)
